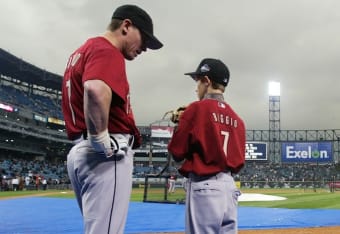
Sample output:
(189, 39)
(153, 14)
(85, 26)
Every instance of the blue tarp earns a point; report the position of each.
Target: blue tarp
(55, 215)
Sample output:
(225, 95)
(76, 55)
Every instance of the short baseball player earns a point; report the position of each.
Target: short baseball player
(99, 119)
(210, 138)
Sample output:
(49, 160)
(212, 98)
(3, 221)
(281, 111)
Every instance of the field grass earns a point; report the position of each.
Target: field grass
(296, 198)
(32, 193)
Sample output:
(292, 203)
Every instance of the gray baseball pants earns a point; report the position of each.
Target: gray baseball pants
(211, 204)
(102, 187)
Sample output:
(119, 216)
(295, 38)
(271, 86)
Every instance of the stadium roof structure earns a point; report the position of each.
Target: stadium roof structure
(19, 69)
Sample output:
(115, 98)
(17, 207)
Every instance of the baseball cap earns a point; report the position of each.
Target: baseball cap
(215, 69)
(141, 20)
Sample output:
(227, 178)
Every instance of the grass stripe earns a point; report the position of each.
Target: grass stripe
(296, 198)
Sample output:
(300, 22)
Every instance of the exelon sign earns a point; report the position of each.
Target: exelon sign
(307, 152)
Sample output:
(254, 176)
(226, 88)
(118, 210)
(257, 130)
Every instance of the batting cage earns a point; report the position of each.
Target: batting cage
(334, 184)
(166, 185)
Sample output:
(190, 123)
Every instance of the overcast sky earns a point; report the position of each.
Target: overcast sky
(294, 42)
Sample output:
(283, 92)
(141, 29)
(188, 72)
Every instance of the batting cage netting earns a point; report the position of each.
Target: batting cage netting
(164, 187)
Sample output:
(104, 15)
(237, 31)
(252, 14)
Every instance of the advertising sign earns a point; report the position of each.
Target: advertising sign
(256, 151)
(6, 107)
(307, 152)
(55, 121)
(162, 131)
(40, 118)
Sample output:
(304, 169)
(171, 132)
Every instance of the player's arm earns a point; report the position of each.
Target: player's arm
(238, 147)
(97, 101)
(179, 144)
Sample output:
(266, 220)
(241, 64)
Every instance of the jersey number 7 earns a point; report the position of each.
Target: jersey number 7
(225, 136)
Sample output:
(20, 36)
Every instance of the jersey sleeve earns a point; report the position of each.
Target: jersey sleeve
(179, 145)
(103, 64)
(237, 149)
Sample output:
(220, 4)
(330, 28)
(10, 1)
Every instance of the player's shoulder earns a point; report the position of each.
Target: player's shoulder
(200, 106)
(98, 41)
(207, 104)
(193, 107)
(99, 45)
(194, 104)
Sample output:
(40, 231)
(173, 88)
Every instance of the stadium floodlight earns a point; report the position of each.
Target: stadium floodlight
(274, 88)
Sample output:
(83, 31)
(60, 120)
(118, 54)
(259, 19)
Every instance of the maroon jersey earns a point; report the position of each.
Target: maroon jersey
(210, 137)
(97, 59)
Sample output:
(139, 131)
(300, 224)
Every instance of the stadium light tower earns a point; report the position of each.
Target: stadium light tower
(274, 89)
(274, 121)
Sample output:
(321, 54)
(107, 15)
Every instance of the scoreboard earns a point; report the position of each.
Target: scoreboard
(256, 151)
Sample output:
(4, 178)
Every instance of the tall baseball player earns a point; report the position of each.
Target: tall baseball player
(99, 119)
(210, 138)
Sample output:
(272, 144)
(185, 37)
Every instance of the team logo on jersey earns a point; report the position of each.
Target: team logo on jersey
(205, 68)
(75, 59)
(220, 104)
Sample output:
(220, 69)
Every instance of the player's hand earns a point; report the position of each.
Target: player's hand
(176, 115)
(119, 146)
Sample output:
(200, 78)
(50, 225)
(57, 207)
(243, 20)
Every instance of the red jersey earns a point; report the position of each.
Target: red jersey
(210, 137)
(97, 59)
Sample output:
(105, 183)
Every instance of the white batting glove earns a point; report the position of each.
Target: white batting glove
(101, 143)
(119, 146)
(108, 145)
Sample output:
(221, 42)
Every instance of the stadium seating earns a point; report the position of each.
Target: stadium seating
(38, 104)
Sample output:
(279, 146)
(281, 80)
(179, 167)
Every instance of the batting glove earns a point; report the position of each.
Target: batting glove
(119, 146)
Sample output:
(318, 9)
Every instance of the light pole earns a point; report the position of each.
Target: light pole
(274, 120)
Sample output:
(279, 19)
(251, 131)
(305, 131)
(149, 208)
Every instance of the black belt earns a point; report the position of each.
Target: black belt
(197, 178)
(84, 136)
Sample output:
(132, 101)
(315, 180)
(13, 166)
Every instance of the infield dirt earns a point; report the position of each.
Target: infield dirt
(319, 230)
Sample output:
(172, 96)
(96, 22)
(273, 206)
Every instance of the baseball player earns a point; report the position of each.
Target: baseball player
(99, 119)
(172, 183)
(210, 138)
